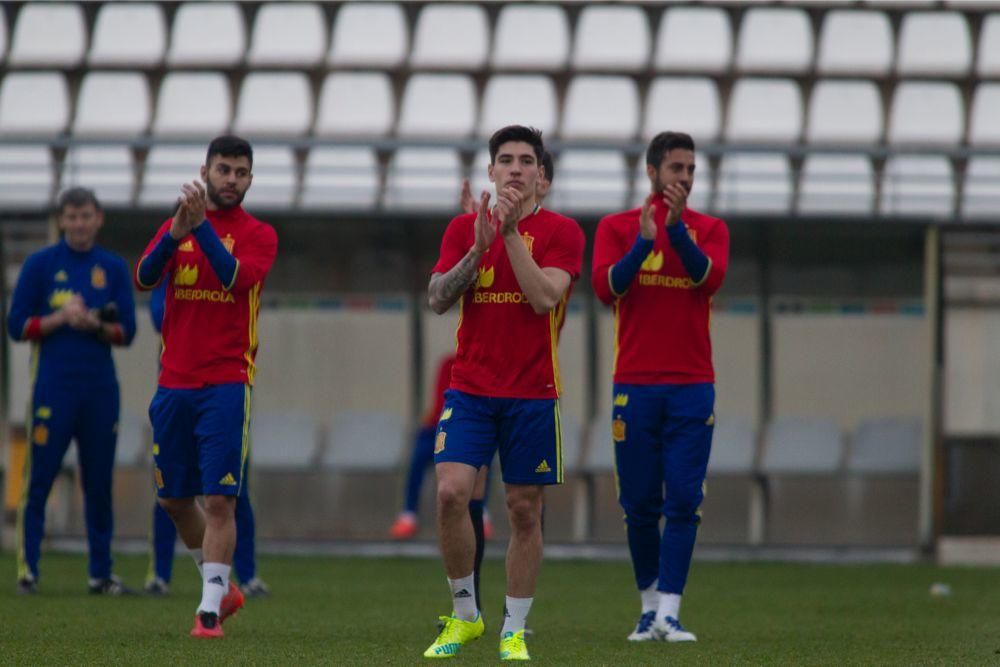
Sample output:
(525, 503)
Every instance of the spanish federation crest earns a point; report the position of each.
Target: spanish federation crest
(98, 278)
(229, 242)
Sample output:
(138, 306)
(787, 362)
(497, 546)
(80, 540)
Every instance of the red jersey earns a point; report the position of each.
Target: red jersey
(440, 386)
(662, 321)
(505, 349)
(209, 333)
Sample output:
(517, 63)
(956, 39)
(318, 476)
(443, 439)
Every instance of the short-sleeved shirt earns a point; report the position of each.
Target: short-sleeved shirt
(505, 349)
(210, 332)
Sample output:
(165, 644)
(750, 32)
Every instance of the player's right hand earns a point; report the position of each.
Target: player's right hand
(485, 226)
(647, 223)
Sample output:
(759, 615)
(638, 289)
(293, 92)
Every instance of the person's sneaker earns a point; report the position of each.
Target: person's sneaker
(207, 625)
(644, 628)
(512, 646)
(671, 630)
(231, 603)
(454, 634)
(405, 527)
(27, 586)
(110, 586)
(156, 586)
(255, 588)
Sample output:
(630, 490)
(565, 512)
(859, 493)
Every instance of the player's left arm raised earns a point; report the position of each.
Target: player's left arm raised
(543, 285)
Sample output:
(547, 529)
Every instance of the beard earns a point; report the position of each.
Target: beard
(216, 198)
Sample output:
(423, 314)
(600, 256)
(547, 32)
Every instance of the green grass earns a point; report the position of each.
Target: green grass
(382, 611)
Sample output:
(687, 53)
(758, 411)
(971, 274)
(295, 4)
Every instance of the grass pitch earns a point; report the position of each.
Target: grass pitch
(350, 611)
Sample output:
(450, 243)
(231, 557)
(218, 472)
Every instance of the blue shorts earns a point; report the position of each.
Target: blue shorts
(526, 431)
(200, 440)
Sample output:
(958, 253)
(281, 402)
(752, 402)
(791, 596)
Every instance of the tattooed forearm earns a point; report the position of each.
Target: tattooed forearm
(447, 288)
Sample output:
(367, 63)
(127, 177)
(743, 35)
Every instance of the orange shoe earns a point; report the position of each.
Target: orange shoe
(487, 528)
(207, 626)
(231, 603)
(405, 527)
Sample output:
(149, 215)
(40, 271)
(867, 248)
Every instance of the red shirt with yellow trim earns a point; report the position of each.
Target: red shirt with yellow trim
(505, 349)
(662, 321)
(210, 333)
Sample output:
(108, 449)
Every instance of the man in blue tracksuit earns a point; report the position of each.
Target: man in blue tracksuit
(165, 532)
(73, 301)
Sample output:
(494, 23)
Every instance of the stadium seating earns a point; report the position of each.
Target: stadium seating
(112, 105)
(340, 178)
(438, 105)
(983, 128)
(917, 185)
(981, 189)
(274, 104)
(855, 42)
(934, 43)
(177, 117)
(529, 37)
(694, 38)
(28, 176)
(283, 441)
(34, 103)
(423, 179)
(107, 169)
(611, 37)
(128, 35)
(167, 168)
(601, 107)
(733, 499)
(988, 60)
(759, 51)
(452, 36)
(593, 181)
(837, 183)
(690, 103)
(926, 113)
(764, 110)
(503, 103)
(207, 34)
(49, 34)
(288, 34)
(3, 36)
(275, 181)
(844, 112)
(369, 35)
(355, 104)
(753, 183)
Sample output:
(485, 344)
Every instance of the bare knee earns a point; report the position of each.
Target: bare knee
(453, 496)
(524, 508)
(220, 508)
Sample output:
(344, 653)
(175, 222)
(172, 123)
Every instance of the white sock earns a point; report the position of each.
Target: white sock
(463, 597)
(515, 614)
(650, 598)
(670, 605)
(199, 560)
(215, 585)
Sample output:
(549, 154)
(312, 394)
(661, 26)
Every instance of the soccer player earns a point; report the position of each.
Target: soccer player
(510, 268)
(165, 533)
(659, 266)
(217, 256)
(73, 301)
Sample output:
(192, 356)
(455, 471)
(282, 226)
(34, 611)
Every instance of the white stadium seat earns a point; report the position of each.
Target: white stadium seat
(935, 43)
(370, 35)
(274, 103)
(49, 34)
(207, 34)
(479, 178)
(844, 111)
(754, 183)
(275, 177)
(341, 178)
(926, 113)
(843, 184)
(355, 103)
(988, 60)
(981, 188)
(364, 441)
(423, 179)
(452, 36)
(764, 110)
(855, 42)
(283, 441)
(687, 103)
(734, 447)
(531, 37)
(112, 104)
(108, 170)
(802, 445)
(886, 445)
(438, 105)
(601, 107)
(701, 194)
(983, 126)
(168, 166)
(3, 36)
(611, 37)
(131, 34)
(774, 39)
(27, 174)
(505, 102)
(590, 181)
(917, 185)
(694, 38)
(134, 439)
(33, 103)
(288, 34)
(176, 116)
